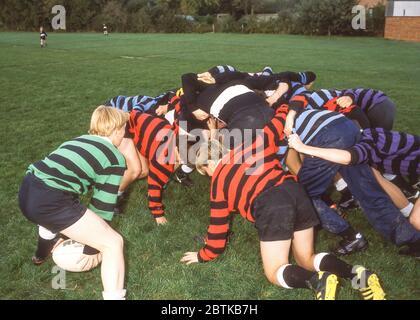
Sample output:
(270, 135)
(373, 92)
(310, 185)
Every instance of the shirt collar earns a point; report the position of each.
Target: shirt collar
(105, 138)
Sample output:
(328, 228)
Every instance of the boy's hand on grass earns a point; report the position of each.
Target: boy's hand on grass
(190, 257)
(161, 221)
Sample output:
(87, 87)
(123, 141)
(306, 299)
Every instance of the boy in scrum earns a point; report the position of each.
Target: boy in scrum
(49, 195)
(165, 106)
(333, 130)
(389, 152)
(250, 180)
(153, 140)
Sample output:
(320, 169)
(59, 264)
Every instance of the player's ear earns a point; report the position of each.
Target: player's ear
(209, 170)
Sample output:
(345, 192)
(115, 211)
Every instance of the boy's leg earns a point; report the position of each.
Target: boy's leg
(275, 258)
(46, 242)
(145, 164)
(317, 175)
(415, 215)
(362, 279)
(303, 237)
(303, 251)
(275, 212)
(91, 230)
(378, 207)
(276, 216)
(395, 193)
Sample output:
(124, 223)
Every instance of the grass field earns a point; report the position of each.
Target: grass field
(47, 96)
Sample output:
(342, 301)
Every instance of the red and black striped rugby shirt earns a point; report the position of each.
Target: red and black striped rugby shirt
(239, 178)
(156, 141)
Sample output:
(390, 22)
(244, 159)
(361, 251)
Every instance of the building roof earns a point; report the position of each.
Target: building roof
(371, 3)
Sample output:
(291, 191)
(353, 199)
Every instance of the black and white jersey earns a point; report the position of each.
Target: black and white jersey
(221, 101)
(231, 93)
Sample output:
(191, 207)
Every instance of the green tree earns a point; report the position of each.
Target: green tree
(114, 16)
(198, 6)
(324, 17)
(81, 13)
(20, 15)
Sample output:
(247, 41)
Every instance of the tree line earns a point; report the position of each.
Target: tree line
(314, 17)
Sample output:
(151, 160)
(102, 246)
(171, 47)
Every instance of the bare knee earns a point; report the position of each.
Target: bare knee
(113, 243)
(118, 242)
(132, 174)
(277, 277)
(143, 174)
(415, 219)
(306, 262)
(272, 276)
(135, 174)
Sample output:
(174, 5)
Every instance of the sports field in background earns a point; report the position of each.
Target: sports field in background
(48, 95)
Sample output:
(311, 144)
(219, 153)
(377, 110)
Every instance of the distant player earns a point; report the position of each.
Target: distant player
(105, 30)
(43, 36)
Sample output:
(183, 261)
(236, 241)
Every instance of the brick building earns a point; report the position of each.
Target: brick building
(402, 21)
(371, 3)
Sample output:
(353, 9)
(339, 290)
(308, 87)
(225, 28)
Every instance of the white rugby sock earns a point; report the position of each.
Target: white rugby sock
(45, 233)
(407, 210)
(114, 295)
(340, 185)
(318, 259)
(389, 176)
(186, 169)
(280, 277)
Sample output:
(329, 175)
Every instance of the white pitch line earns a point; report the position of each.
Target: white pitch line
(141, 58)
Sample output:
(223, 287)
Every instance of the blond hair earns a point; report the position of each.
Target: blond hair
(209, 151)
(107, 120)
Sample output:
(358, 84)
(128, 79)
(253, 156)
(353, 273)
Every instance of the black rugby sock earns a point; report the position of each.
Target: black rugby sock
(295, 276)
(44, 247)
(332, 264)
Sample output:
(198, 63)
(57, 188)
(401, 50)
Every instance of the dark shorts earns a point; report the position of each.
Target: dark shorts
(382, 115)
(251, 117)
(245, 124)
(51, 208)
(280, 211)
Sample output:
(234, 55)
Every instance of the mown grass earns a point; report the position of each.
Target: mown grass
(47, 96)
